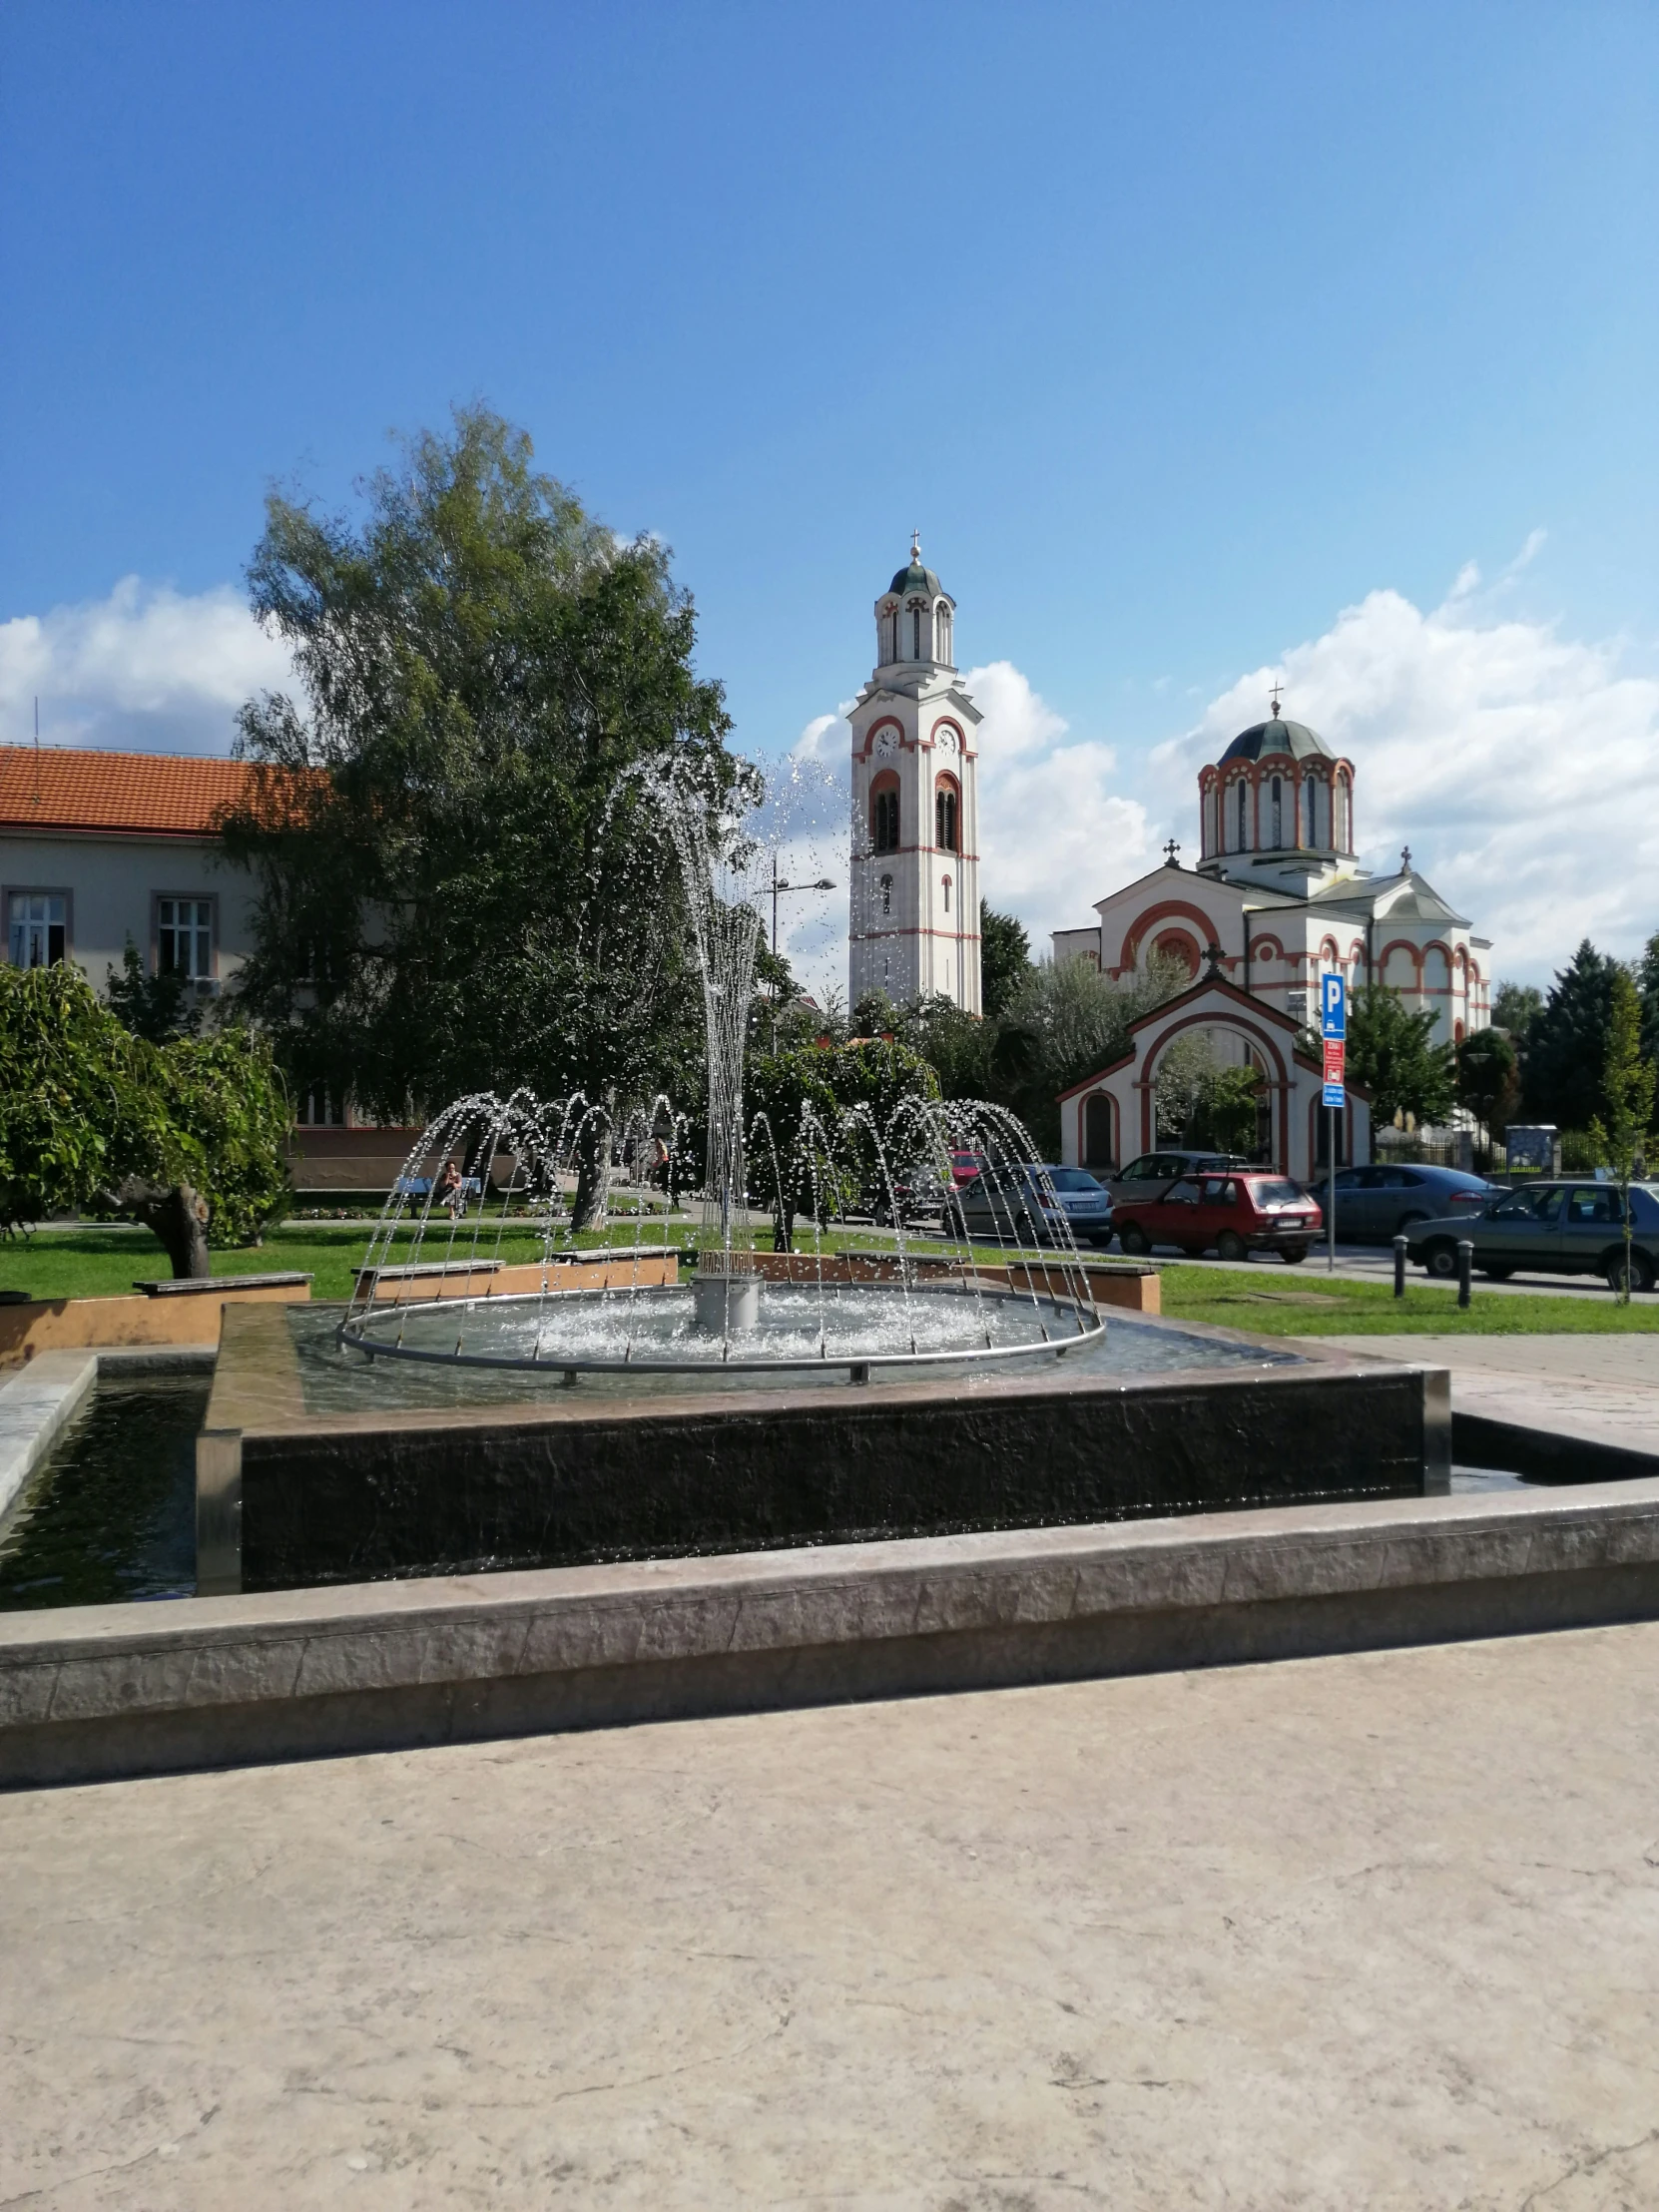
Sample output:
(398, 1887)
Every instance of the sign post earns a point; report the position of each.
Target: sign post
(1333, 1033)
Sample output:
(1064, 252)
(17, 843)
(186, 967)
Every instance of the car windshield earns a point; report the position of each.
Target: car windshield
(1070, 1179)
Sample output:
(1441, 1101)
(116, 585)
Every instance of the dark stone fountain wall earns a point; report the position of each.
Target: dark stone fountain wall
(568, 1484)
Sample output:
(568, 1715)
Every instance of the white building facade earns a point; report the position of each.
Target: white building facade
(1280, 895)
(914, 891)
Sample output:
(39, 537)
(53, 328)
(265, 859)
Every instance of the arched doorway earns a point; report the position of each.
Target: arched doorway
(1098, 1151)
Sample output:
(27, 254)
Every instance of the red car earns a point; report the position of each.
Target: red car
(1233, 1214)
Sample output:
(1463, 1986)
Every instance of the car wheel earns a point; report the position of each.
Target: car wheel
(1229, 1245)
(1292, 1255)
(1441, 1260)
(1495, 1274)
(1641, 1271)
(1134, 1242)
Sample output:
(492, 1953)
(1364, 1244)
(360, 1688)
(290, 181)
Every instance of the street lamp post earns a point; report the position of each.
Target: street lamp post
(777, 888)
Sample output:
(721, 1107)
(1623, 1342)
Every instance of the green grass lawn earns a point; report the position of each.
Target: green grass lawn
(1268, 1305)
(105, 1263)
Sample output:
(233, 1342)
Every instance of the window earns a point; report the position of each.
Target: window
(1314, 837)
(185, 938)
(944, 819)
(885, 805)
(1594, 1206)
(889, 635)
(943, 619)
(886, 894)
(1278, 814)
(39, 929)
(1242, 802)
(947, 894)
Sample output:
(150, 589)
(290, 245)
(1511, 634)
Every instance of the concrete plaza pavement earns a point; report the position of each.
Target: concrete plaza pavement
(1378, 1929)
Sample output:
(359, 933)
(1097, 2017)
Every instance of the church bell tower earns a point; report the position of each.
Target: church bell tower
(915, 805)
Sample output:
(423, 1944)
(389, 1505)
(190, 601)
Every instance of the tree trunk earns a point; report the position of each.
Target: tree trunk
(178, 1215)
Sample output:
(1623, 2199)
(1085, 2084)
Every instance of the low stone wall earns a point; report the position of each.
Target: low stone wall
(83, 1324)
(646, 1271)
(1127, 1283)
(141, 1689)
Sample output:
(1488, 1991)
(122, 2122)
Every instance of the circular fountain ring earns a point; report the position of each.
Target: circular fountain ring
(652, 1329)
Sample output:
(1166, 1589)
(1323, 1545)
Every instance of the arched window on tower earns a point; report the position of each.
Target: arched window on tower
(942, 619)
(889, 635)
(1278, 815)
(944, 819)
(1244, 845)
(887, 893)
(947, 894)
(916, 634)
(1312, 790)
(883, 825)
(1342, 836)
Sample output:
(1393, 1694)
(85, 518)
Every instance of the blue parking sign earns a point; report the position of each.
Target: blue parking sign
(1333, 1007)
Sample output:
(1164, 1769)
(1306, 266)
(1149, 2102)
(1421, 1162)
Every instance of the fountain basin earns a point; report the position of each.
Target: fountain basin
(319, 1466)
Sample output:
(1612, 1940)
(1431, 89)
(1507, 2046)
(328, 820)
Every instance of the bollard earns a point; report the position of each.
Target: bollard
(1399, 1266)
(1465, 1265)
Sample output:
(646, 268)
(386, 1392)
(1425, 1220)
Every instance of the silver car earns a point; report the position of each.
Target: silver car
(1034, 1204)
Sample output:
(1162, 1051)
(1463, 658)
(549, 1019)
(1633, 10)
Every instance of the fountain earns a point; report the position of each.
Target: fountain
(431, 1287)
(504, 1391)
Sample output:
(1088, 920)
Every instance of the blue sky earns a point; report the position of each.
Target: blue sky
(1181, 331)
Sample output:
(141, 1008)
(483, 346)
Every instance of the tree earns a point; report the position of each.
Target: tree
(1514, 1008)
(1627, 1086)
(1065, 1021)
(1487, 1078)
(465, 878)
(1566, 1047)
(833, 1114)
(155, 1006)
(1391, 1053)
(1004, 959)
(186, 1137)
(1647, 986)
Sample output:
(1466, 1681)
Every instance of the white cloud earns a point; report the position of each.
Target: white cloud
(1520, 766)
(1055, 834)
(148, 669)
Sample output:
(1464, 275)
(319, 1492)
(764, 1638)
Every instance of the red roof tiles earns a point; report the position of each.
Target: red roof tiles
(166, 794)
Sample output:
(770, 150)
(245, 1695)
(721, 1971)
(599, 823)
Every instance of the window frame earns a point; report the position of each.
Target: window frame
(9, 892)
(209, 900)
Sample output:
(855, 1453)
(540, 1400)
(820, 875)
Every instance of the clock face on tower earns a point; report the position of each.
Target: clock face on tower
(946, 738)
(886, 744)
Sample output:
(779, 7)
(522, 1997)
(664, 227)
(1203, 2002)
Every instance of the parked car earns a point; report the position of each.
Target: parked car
(1549, 1229)
(1383, 1201)
(1033, 1202)
(1236, 1214)
(965, 1166)
(1156, 1172)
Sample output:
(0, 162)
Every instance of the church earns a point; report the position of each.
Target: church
(1276, 900)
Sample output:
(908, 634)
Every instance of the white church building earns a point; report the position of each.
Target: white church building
(1276, 900)
(914, 924)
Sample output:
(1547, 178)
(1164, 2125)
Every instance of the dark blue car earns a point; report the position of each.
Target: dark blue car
(1380, 1202)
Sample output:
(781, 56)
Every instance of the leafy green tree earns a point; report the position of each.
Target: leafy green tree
(155, 1006)
(1391, 1053)
(1627, 1086)
(855, 1097)
(1487, 1078)
(1647, 986)
(1228, 1111)
(186, 1137)
(464, 879)
(1515, 1006)
(1004, 959)
(1065, 1022)
(1566, 1047)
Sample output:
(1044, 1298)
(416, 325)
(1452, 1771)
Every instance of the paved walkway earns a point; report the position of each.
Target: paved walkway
(1379, 1931)
(1600, 1390)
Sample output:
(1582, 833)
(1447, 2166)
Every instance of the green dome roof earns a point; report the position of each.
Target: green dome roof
(1294, 738)
(917, 578)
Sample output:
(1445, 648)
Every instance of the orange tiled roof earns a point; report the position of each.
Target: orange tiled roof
(167, 794)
